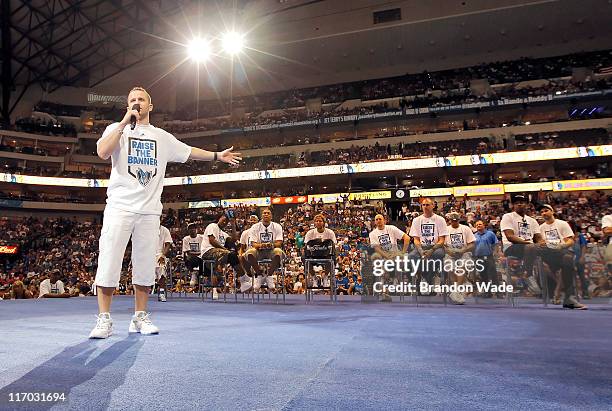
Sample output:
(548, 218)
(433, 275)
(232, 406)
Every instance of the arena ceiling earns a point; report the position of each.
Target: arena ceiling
(291, 43)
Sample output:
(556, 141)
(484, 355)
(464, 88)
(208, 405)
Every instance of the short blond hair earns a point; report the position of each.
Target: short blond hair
(138, 88)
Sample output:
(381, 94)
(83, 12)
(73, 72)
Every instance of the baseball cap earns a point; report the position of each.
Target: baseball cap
(454, 216)
(519, 197)
(547, 206)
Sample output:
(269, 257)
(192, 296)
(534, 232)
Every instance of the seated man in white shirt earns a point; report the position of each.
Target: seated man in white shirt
(384, 238)
(458, 246)
(429, 231)
(192, 249)
(320, 243)
(520, 238)
(213, 248)
(558, 253)
(53, 287)
(245, 244)
(267, 241)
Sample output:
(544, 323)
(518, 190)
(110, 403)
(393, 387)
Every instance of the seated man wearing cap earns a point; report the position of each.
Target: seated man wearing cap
(558, 253)
(520, 236)
(458, 246)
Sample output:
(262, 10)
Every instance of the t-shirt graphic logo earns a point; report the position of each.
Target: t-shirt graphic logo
(552, 236)
(142, 159)
(194, 246)
(427, 233)
(266, 237)
(524, 231)
(456, 240)
(385, 242)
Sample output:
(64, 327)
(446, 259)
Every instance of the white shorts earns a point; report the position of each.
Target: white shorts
(117, 228)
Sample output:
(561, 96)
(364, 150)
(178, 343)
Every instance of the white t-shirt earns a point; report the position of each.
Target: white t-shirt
(139, 166)
(164, 237)
(214, 230)
(314, 234)
(554, 233)
(47, 288)
(244, 238)
(459, 237)
(428, 230)
(606, 221)
(262, 234)
(386, 238)
(193, 245)
(523, 227)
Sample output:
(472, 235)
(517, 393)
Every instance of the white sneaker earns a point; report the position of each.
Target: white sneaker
(193, 280)
(456, 298)
(141, 323)
(245, 283)
(162, 297)
(532, 285)
(103, 328)
(215, 294)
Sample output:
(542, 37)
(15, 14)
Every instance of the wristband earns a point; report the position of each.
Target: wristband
(215, 156)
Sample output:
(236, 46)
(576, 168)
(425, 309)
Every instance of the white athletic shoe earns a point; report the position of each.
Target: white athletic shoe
(162, 297)
(245, 283)
(141, 323)
(456, 298)
(215, 294)
(103, 328)
(193, 280)
(532, 285)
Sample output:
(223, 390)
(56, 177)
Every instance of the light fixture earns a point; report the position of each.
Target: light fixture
(232, 42)
(199, 49)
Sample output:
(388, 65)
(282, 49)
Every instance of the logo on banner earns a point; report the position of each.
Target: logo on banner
(142, 159)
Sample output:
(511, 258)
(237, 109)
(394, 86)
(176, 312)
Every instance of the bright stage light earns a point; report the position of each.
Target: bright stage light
(199, 49)
(232, 42)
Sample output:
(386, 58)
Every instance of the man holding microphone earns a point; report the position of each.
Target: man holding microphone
(139, 154)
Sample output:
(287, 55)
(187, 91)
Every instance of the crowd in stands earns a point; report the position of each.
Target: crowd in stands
(427, 89)
(440, 98)
(70, 246)
(505, 72)
(46, 128)
(380, 152)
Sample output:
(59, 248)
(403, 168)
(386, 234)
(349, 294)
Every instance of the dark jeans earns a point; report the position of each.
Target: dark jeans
(192, 261)
(561, 260)
(438, 255)
(488, 271)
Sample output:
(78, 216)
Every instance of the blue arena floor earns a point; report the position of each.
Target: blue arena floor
(351, 356)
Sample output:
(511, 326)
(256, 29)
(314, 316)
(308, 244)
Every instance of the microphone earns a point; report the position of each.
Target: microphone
(133, 118)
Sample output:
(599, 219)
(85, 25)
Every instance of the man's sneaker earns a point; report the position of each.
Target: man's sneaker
(103, 328)
(573, 304)
(456, 298)
(141, 323)
(245, 283)
(532, 286)
(215, 294)
(193, 280)
(162, 297)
